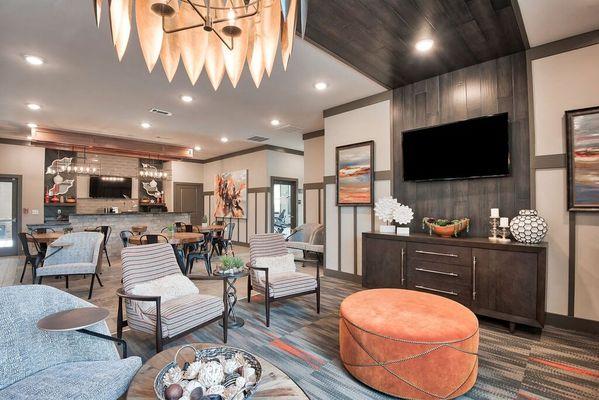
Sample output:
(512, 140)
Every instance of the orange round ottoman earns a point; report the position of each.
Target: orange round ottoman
(409, 344)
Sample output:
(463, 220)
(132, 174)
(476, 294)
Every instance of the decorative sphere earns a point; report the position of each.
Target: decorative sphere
(528, 227)
(173, 392)
(196, 394)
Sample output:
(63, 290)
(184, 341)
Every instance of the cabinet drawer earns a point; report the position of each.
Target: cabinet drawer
(440, 253)
(461, 294)
(432, 273)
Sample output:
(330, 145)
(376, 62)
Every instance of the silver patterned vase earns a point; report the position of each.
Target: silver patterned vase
(528, 227)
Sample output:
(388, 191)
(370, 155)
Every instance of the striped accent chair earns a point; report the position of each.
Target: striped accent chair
(283, 285)
(171, 319)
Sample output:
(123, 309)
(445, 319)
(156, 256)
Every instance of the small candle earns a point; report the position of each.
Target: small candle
(504, 222)
(494, 212)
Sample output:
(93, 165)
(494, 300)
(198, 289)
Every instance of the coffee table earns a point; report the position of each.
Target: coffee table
(274, 384)
(78, 319)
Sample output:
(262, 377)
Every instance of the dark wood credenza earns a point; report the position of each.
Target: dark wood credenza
(503, 281)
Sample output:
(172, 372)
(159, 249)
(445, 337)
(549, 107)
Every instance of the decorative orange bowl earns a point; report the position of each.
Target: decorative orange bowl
(445, 227)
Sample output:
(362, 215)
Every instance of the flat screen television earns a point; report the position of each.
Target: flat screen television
(109, 187)
(474, 148)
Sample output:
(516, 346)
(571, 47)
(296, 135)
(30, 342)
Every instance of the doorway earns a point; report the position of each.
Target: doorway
(189, 197)
(10, 219)
(284, 204)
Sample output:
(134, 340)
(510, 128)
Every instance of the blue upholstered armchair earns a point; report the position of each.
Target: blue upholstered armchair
(36, 364)
(74, 254)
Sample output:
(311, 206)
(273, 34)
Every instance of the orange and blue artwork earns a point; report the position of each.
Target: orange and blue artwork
(355, 169)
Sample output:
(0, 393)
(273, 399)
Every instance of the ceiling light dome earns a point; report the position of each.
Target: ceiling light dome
(320, 85)
(224, 139)
(424, 45)
(34, 60)
(275, 122)
(145, 125)
(34, 106)
(186, 98)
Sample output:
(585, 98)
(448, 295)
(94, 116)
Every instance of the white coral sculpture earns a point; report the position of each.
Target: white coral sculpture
(384, 208)
(403, 214)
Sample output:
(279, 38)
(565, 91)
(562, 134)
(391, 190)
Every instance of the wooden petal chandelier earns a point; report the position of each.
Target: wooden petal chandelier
(216, 35)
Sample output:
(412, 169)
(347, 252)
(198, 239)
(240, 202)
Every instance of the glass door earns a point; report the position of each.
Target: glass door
(284, 205)
(8, 215)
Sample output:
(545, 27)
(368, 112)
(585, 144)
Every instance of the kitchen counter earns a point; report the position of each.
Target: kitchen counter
(129, 213)
(155, 221)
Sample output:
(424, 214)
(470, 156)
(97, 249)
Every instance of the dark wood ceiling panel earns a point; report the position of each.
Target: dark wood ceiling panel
(377, 37)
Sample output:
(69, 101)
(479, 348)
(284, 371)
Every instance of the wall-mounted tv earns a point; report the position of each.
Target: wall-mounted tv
(474, 148)
(109, 187)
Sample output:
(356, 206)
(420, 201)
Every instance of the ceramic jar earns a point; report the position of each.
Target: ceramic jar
(528, 227)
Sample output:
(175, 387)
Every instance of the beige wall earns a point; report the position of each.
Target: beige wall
(314, 160)
(372, 122)
(27, 161)
(563, 82)
(314, 173)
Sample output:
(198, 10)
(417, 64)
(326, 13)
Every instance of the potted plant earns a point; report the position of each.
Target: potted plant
(231, 265)
(205, 221)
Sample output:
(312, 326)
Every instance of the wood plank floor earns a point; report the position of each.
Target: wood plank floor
(552, 364)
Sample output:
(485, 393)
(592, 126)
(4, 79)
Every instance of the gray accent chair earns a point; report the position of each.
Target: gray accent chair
(74, 254)
(35, 364)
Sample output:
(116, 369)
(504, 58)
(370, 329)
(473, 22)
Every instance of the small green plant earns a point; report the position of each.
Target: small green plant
(231, 263)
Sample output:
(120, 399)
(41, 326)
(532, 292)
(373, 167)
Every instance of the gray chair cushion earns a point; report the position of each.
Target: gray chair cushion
(85, 380)
(66, 269)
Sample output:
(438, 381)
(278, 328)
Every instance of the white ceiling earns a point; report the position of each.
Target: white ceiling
(550, 20)
(83, 87)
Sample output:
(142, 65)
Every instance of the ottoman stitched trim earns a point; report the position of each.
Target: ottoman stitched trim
(384, 364)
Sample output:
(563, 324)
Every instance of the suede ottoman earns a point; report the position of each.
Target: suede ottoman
(409, 344)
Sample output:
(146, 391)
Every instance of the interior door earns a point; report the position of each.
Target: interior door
(284, 206)
(189, 197)
(9, 215)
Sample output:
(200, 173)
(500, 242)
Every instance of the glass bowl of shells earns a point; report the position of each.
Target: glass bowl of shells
(217, 373)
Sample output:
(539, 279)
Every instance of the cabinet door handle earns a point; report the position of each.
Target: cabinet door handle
(432, 271)
(403, 279)
(434, 253)
(436, 290)
(473, 277)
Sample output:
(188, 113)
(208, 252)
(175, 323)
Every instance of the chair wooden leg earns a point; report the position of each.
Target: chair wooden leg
(318, 300)
(119, 319)
(107, 259)
(267, 302)
(67, 280)
(91, 287)
(24, 268)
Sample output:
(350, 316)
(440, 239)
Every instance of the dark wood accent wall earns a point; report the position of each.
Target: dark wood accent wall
(492, 87)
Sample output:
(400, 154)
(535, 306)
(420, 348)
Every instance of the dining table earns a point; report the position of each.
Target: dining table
(45, 238)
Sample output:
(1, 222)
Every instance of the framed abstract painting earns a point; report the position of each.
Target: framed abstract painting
(355, 174)
(230, 194)
(582, 139)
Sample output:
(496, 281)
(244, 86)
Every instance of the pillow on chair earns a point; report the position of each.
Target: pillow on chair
(275, 265)
(168, 288)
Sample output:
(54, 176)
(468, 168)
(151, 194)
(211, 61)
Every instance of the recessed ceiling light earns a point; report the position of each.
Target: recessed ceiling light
(424, 45)
(197, 148)
(33, 106)
(186, 98)
(224, 139)
(34, 60)
(32, 125)
(146, 125)
(275, 122)
(321, 85)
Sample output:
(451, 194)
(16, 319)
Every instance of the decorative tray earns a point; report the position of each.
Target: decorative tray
(217, 373)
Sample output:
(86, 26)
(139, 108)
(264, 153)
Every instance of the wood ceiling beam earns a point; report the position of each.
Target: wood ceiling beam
(70, 140)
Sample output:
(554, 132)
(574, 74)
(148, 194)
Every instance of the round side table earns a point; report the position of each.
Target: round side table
(78, 319)
(233, 321)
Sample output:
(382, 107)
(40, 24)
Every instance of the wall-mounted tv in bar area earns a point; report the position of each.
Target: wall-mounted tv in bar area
(474, 148)
(109, 187)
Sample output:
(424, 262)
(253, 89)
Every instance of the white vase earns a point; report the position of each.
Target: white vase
(528, 227)
(387, 229)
